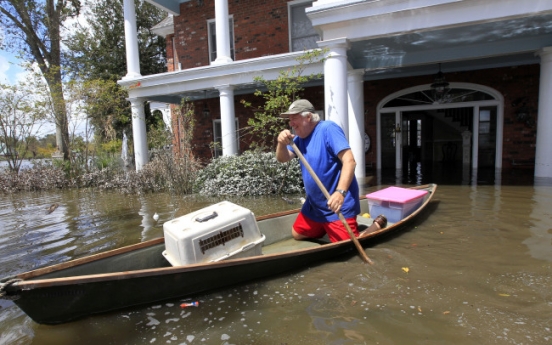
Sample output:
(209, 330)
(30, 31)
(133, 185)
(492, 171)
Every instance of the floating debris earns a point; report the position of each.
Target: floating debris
(289, 201)
(191, 304)
(52, 208)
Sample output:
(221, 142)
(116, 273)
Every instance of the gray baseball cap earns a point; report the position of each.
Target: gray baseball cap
(297, 107)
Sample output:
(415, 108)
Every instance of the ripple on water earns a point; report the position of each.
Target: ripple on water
(472, 278)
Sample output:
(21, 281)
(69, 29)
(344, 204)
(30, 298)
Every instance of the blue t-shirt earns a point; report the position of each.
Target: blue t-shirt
(320, 149)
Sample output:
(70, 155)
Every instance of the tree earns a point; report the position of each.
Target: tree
(33, 29)
(278, 94)
(96, 51)
(96, 47)
(20, 116)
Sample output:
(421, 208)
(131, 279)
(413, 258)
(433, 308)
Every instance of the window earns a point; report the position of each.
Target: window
(418, 131)
(484, 121)
(213, 39)
(217, 130)
(425, 97)
(302, 34)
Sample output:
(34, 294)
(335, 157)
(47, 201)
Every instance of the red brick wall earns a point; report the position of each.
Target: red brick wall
(170, 53)
(260, 28)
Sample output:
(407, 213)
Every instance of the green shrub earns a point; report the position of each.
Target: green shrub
(252, 173)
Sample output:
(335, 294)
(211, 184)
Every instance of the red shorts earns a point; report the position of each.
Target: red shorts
(335, 230)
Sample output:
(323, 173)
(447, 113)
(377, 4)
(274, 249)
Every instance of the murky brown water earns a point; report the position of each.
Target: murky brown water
(479, 272)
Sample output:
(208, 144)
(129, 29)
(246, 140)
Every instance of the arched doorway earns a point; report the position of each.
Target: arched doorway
(460, 130)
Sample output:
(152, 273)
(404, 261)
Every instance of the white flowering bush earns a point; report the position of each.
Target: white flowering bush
(252, 173)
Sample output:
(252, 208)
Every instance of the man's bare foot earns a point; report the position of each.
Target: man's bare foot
(379, 223)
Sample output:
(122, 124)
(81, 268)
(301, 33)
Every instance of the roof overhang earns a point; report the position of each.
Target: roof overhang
(165, 27)
(202, 82)
(171, 6)
(406, 33)
(388, 39)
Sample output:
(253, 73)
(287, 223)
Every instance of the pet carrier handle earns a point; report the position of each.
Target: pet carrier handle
(206, 218)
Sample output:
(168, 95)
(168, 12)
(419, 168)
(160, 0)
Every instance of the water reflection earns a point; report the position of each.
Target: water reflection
(479, 259)
(417, 173)
(540, 227)
(147, 211)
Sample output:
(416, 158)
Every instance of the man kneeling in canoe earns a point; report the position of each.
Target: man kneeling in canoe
(325, 147)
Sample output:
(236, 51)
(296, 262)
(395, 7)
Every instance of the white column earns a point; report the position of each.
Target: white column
(499, 138)
(131, 41)
(475, 140)
(227, 120)
(222, 32)
(335, 82)
(379, 138)
(356, 120)
(543, 157)
(398, 142)
(466, 158)
(141, 154)
(466, 148)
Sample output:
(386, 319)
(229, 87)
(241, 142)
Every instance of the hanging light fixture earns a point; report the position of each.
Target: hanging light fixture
(440, 87)
(206, 112)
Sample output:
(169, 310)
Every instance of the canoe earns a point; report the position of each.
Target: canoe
(139, 274)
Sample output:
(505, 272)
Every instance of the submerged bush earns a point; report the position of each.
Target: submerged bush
(39, 177)
(164, 173)
(252, 173)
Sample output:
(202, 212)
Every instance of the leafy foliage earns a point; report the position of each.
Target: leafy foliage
(33, 30)
(252, 173)
(20, 116)
(96, 55)
(105, 106)
(169, 171)
(96, 50)
(266, 124)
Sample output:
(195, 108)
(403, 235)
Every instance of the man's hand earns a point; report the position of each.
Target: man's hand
(282, 153)
(285, 137)
(336, 201)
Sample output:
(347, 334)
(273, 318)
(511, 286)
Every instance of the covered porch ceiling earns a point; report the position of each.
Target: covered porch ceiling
(397, 38)
(388, 39)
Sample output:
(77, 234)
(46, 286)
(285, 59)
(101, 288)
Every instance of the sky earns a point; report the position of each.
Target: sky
(11, 73)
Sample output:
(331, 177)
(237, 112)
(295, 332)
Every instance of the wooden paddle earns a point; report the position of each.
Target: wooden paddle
(361, 251)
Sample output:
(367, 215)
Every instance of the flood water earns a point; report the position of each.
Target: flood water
(474, 268)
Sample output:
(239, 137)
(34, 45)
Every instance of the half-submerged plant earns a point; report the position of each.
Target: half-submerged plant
(278, 94)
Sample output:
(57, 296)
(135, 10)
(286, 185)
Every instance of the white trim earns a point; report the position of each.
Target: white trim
(239, 72)
(498, 102)
(497, 95)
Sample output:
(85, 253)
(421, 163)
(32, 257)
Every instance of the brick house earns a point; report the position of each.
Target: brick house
(461, 83)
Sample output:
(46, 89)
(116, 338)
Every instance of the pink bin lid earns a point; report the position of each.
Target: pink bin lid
(396, 194)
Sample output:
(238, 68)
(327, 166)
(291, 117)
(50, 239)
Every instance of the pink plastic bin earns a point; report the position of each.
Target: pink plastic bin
(395, 203)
